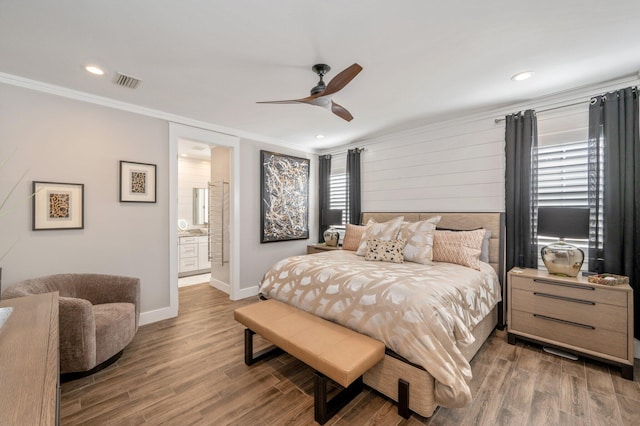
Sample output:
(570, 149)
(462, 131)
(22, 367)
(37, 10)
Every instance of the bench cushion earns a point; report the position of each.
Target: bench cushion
(336, 351)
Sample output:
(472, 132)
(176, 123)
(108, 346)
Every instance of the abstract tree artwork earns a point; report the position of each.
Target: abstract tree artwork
(284, 197)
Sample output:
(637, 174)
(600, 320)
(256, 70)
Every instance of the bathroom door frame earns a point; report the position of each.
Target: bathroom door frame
(179, 132)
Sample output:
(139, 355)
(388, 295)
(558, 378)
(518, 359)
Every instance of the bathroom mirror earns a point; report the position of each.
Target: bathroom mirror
(200, 206)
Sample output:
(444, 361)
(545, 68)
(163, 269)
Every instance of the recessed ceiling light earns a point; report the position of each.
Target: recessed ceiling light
(94, 70)
(184, 155)
(522, 76)
(319, 136)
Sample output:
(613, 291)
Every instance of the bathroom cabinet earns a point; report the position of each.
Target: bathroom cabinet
(193, 255)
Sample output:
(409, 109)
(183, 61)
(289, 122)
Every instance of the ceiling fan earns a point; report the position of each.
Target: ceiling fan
(321, 94)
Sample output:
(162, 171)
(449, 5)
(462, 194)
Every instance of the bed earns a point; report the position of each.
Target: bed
(431, 331)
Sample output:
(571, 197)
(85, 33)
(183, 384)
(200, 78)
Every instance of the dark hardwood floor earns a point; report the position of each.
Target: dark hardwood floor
(190, 370)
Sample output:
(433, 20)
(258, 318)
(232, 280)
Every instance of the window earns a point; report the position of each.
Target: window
(338, 194)
(563, 164)
(338, 188)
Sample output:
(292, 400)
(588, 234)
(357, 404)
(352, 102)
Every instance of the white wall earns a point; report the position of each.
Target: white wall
(62, 140)
(256, 258)
(192, 173)
(437, 168)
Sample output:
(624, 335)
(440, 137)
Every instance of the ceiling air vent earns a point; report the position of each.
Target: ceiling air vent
(126, 81)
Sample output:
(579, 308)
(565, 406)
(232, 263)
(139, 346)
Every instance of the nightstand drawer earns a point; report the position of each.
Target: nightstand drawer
(609, 317)
(579, 335)
(581, 291)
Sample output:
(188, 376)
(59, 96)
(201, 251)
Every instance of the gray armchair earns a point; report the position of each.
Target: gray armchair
(99, 316)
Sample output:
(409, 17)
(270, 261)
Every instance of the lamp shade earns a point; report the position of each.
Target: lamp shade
(563, 222)
(331, 217)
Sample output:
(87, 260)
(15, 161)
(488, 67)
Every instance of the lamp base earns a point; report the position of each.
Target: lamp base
(562, 259)
(331, 237)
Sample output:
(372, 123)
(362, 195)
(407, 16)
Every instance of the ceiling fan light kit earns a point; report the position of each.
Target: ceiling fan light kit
(321, 93)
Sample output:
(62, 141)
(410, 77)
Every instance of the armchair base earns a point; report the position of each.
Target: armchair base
(67, 377)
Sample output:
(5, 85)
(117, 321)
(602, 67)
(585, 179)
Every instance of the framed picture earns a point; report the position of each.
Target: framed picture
(284, 189)
(58, 206)
(137, 182)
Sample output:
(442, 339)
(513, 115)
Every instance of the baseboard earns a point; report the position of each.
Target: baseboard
(243, 293)
(222, 286)
(157, 315)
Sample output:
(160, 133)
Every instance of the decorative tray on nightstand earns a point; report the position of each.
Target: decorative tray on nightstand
(608, 279)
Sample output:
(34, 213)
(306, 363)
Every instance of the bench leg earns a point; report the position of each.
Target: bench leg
(403, 399)
(249, 357)
(324, 409)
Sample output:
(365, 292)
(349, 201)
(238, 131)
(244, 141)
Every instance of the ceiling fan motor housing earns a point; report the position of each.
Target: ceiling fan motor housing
(321, 70)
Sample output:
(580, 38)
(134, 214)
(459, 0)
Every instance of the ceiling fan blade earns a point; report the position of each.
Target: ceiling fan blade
(341, 111)
(307, 100)
(293, 101)
(342, 79)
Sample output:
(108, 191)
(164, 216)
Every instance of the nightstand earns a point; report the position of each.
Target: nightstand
(572, 314)
(319, 248)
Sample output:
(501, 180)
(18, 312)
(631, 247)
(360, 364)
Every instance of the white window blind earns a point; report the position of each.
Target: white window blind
(338, 189)
(563, 164)
(338, 194)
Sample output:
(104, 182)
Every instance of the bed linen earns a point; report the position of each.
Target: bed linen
(419, 311)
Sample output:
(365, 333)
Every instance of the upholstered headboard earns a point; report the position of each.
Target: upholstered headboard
(460, 220)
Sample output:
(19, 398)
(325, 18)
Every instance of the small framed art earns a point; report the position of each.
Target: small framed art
(137, 182)
(58, 206)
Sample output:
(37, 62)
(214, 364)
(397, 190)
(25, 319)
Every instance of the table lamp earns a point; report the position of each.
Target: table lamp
(331, 217)
(559, 257)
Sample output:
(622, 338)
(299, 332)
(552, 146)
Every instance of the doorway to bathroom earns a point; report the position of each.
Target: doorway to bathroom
(203, 214)
(194, 179)
(213, 140)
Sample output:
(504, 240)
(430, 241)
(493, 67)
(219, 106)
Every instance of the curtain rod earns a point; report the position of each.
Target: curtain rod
(340, 152)
(497, 120)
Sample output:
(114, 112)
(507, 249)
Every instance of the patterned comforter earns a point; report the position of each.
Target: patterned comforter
(418, 311)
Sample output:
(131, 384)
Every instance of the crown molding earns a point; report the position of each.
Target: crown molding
(65, 92)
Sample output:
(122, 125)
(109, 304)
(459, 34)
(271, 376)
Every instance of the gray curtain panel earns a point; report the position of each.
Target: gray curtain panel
(613, 127)
(324, 175)
(521, 183)
(354, 206)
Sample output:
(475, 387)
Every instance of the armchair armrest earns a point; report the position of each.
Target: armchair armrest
(77, 334)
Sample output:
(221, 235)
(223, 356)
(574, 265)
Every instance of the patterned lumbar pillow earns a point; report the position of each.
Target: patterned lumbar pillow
(385, 250)
(484, 251)
(462, 247)
(352, 236)
(381, 231)
(419, 236)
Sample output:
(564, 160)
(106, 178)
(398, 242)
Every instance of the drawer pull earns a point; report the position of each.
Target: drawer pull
(582, 287)
(568, 299)
(577, 324)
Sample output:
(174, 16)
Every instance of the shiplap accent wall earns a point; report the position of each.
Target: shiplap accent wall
(454, 165)
(447, 168)
(192, 173)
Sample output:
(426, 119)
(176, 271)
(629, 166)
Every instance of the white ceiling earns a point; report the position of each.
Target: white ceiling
(423, 61)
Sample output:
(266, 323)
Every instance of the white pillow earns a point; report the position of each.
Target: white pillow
(419, 237)
(381, 231)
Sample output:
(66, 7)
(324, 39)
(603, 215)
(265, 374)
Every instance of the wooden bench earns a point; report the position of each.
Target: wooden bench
(333, 351)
